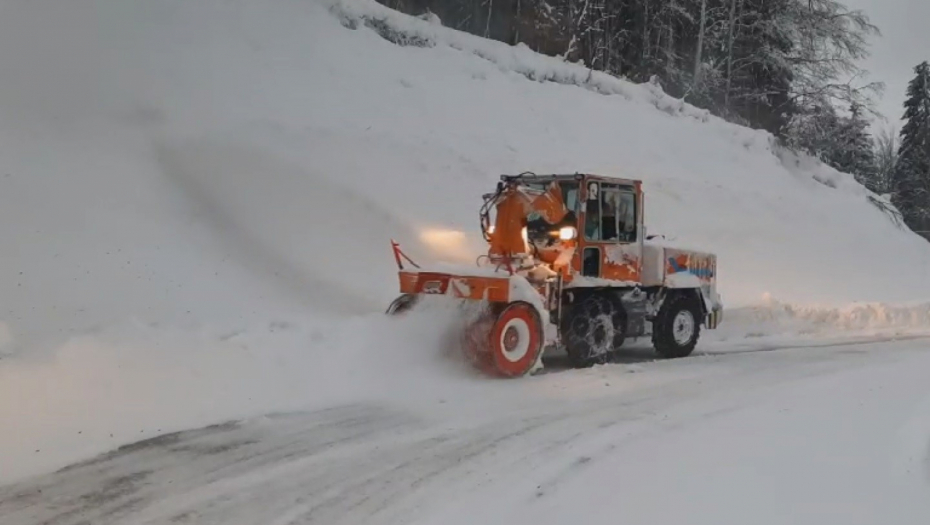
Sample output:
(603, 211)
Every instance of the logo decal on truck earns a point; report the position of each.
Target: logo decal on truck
(702, 269)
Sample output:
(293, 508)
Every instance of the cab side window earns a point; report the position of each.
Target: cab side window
(626, 215)
(610, 213)
(610, 204)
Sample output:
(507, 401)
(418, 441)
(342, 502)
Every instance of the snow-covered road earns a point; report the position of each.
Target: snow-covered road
(806, 435)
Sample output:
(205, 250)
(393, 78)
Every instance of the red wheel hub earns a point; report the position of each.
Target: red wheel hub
(511, 338)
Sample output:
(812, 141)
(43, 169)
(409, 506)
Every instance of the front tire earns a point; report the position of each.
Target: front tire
(677, 328)
(593, 330)
(516, 340)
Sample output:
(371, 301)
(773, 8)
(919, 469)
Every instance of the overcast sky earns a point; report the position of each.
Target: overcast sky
(904, 43)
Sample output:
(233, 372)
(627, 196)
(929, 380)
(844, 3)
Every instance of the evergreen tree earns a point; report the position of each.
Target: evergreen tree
(912, 173)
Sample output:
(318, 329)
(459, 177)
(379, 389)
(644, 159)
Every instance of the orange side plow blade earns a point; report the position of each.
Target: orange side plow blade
(477, 288)
(505, 340)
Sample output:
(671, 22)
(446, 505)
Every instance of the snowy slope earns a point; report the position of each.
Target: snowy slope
(196, 200)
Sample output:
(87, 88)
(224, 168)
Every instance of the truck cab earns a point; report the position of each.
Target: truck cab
(611, 271)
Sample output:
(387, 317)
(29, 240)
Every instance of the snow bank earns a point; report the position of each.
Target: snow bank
(778, 322)
(173, 174)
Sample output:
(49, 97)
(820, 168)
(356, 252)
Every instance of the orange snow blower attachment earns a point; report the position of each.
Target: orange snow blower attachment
(508, 238)
(508, 337)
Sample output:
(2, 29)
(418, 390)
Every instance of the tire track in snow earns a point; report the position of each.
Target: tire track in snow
(373, 465)
(370, 464)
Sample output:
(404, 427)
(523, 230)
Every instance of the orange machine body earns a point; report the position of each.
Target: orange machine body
(566, 252)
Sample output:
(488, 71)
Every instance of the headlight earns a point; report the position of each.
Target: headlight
(567, 233)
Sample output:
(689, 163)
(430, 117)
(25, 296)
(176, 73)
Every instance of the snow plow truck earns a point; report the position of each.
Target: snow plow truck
(570, 268)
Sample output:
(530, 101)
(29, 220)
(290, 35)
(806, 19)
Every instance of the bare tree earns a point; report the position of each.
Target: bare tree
(886, 160)
(829, 42)
(700, 43)
(731, 35)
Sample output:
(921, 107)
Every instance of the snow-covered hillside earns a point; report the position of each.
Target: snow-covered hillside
(196, 202)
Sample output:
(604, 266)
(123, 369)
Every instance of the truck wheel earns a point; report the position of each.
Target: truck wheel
(677, 327)
(592, 330)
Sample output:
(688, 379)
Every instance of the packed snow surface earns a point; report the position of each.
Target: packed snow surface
(804, 436)
(197, 198)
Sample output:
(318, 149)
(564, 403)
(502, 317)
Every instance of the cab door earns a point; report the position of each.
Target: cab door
(610, 239)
